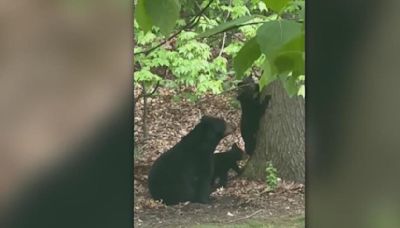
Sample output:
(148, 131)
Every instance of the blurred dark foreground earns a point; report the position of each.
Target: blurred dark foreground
(65, 113)
(353, 114)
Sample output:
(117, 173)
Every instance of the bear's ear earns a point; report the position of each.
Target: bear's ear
(246, 82)
(229, 129)
(248, 79)
(236, 147)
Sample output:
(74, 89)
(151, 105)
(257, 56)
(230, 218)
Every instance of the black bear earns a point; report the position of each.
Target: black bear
(225, 161)
(253, 108)
(184, 172)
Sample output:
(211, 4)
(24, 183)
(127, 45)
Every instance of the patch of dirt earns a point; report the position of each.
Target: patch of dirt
(167, 121)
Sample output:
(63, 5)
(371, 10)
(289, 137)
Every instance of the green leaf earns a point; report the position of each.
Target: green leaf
(272, 35)
(296, 44)
(276, 5)
(249, 53)
(163, 13)
(262, 7)
(288, 62)
(269, 75)
(142, 17)
(145, 75)
(291, 57)
(291, 86)
(302, 13)
(226, 26)
(302, 91)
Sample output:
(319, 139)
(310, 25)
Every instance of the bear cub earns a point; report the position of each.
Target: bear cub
(253, 108)
(225, 161)
(184, 172)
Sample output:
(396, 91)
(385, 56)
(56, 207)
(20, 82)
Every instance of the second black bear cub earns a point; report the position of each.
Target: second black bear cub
(253, 108)
(225, 161)
(184, 172)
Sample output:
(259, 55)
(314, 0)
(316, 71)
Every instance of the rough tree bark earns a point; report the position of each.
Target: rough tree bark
(280, 138)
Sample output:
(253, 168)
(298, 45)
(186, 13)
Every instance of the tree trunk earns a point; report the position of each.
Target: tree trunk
(280, 138)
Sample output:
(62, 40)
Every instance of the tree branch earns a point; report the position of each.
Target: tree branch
(218, 94)
(145, 94)
(231, 28)
(195, 20)
(238, 26)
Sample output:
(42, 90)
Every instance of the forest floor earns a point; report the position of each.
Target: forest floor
(243, 203)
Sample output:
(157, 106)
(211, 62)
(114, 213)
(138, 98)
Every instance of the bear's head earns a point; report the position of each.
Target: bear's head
(216, 127)
(248, 89)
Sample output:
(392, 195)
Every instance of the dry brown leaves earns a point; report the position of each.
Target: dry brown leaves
(168, 121)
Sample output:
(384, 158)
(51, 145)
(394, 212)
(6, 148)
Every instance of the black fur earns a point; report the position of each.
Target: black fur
(225, 161)
(253, 108)
(184, 172)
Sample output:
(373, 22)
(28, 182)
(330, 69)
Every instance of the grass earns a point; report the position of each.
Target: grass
(288, 222)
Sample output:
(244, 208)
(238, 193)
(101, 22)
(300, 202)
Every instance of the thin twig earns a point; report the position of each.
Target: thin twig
(214, 95)
(228, 29)
(246, 217)
(224, 36)
(154, 90)
(223, 44)
(143, 94)
(223, 92)
(235, 27)
(195, 20)
(148, 51)
(144, 127)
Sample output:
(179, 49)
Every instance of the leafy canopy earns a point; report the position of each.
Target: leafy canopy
(257, 35)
